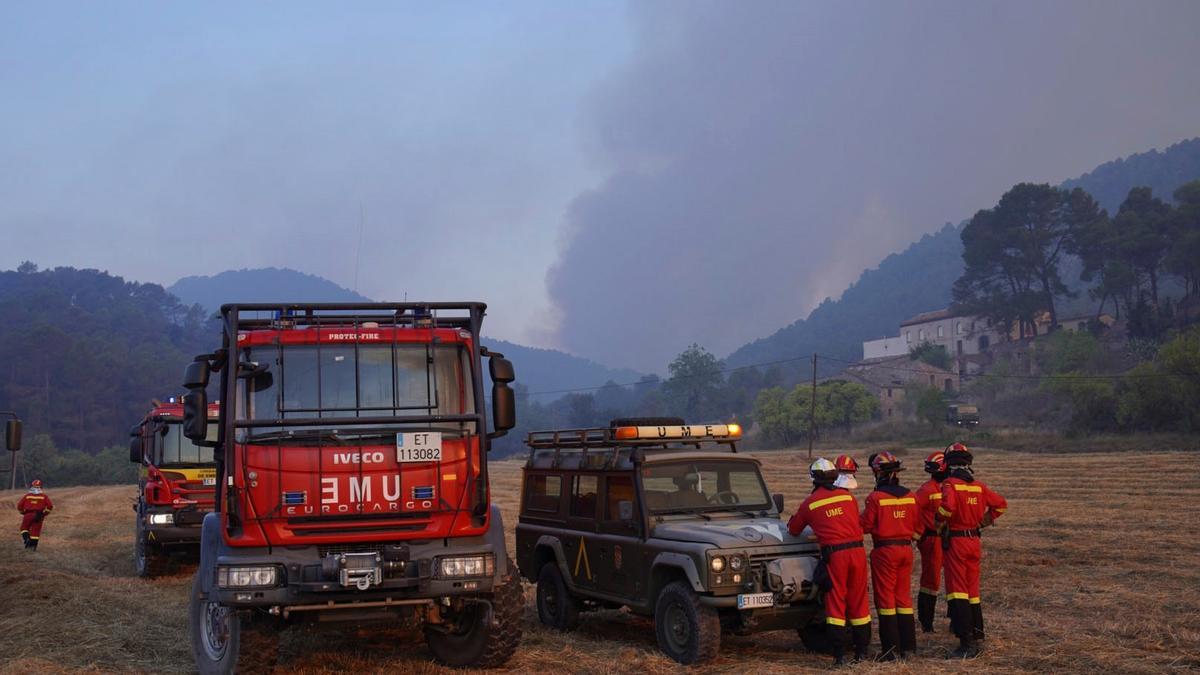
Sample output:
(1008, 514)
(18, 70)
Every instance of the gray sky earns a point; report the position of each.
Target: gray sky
(618, 181)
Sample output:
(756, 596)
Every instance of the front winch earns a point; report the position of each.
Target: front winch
(357, 570)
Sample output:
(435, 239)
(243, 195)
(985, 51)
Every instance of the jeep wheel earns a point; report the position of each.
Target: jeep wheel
(556, 606)
(479, 643)
(148, 560)
(218, 638)
(687, 631)
(814, 635)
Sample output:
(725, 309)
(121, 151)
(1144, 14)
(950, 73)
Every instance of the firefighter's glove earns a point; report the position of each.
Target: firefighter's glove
(988, 520)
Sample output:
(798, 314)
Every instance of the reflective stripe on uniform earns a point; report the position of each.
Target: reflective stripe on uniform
(929, 591)
(944, 512)
(967, 488)
(956, 596)
(835, 622)
(935, 495)
(999, 510)
(973, 601)
(829, 500)
(897, 502)
(861, 622)
(887, 612)
(904, 610)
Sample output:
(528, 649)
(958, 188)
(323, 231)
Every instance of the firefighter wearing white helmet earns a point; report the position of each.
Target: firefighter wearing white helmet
(832, 513)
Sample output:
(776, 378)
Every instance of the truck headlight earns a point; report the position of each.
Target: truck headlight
(482, 565)
(257, 576)
(161, 518)
(717, 564)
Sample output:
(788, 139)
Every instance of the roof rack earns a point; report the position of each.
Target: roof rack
(601, 447)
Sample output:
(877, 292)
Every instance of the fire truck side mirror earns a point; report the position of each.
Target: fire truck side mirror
(195, 415)
(12, 435)
(195, 376)
(501, 370)
(504, 409)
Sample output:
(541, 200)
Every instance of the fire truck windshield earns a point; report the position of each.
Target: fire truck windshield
(176, 450)
(364, 380)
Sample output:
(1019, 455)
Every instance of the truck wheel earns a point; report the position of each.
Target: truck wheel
(481, 644)
(148, 559)
(687, 631)
(221, 644)
(556, 606)
(815, 637)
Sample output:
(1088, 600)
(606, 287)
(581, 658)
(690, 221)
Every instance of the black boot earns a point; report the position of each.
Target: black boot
(977, 615)
(862, 642)
(907, 635)
(837, 643)
(926, 604)
(964, 628)
(25, 536)
(889, 637)
(33, 543)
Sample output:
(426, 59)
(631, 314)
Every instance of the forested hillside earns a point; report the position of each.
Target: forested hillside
(82, 352)
(268, 284)
(920, 279)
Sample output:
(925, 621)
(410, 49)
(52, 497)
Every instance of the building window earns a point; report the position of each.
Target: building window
(958, 328)
(949, 384)
(931, 381)
(921, 334)
(908, 336)
(889, 412)
(941, 333)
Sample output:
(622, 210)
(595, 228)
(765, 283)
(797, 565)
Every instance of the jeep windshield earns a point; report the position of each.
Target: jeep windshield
(345, 381)
(700, 486)
(176, 450)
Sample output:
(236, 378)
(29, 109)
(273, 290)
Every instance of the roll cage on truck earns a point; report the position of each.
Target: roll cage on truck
(176, 485)
(351, 460)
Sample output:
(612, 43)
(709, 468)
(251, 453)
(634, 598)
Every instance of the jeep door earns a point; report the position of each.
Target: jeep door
(619, 538)
(579, 539)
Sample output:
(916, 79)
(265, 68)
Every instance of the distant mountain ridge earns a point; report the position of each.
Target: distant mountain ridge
(538, 370)
(920, 278)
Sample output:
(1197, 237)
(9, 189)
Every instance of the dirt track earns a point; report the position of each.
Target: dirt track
(1094, 568)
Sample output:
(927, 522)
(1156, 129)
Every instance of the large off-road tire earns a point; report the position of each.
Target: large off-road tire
(556, 607)
(222, 645)
(687, 631)
(149, 561)
(481, 644)
(814, 635)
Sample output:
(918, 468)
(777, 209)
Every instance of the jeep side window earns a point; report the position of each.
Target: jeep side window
(583, 496)
(543, 493)
(619, 489)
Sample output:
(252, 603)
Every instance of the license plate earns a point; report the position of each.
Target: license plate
(422, 446)
(756, 600)
(210, 481)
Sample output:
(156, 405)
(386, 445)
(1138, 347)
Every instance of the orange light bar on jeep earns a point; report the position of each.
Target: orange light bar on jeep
(678, 433)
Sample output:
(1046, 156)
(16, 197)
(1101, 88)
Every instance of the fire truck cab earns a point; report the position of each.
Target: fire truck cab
(175, 487)
(351, 460)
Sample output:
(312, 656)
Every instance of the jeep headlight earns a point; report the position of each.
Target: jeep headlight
(161, 518)
(482, 565)
(256, 576)
(717, 564)
(736, 563)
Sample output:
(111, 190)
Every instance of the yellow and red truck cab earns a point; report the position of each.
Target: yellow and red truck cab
(351, 451)
(176, 487)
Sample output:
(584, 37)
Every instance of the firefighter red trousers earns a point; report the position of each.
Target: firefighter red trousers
(31, 522)
(962, 569)
(931, 564)
(846, 601)
(891, 572)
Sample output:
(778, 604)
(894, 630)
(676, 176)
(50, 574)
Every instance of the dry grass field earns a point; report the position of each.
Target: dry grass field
(1093, 569)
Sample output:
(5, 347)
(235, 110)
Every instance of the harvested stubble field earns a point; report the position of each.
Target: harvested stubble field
(1094, 568)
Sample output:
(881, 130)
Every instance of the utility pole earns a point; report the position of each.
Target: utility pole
(812, 408)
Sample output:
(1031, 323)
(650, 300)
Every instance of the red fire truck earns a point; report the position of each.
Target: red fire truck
(351, 455)
(175, 487)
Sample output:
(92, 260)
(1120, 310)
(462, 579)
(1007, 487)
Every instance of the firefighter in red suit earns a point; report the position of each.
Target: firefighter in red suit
(890, 515)
(967, 506)
(33, 508)
(929, 496)
(832, 512)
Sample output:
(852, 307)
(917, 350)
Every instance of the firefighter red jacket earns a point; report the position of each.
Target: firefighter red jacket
(965, 503)
(833, 515)
(34, 503)
(891, 513)
(929, 495)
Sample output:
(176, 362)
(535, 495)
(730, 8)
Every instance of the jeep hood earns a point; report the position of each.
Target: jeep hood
(730, 533)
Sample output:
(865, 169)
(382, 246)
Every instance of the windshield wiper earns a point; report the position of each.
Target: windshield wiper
(675, 512)
(298, 434)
